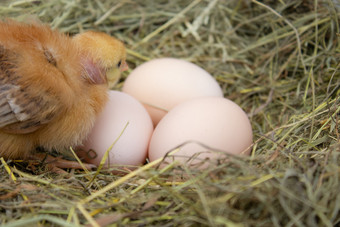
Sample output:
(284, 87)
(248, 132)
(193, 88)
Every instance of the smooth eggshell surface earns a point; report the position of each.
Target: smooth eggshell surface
(161, 84)
(214, 123)
(121, 111)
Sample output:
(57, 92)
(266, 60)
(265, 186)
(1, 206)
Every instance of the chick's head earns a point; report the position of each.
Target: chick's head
(104, 57)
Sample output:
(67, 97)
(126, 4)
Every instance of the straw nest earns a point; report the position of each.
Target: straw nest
(279, 60)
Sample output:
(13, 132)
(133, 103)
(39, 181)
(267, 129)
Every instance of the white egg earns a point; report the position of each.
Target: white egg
(125, 124)
(161, 84)
(201, 125)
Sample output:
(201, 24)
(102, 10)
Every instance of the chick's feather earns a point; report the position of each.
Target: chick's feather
(21, 109)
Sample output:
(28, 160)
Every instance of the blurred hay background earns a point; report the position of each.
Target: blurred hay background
(279, 60)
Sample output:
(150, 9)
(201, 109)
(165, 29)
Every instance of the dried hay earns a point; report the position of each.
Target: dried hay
(279, 60)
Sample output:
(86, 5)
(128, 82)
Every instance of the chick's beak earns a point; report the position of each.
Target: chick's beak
(124, 66)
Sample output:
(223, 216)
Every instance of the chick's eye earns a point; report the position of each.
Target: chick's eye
(119, 64)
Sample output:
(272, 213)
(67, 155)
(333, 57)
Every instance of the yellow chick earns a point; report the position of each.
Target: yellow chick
(52, 87)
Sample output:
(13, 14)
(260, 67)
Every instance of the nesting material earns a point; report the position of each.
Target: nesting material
(278, 60)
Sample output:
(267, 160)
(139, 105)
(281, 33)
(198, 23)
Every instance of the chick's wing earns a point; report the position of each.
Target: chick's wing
(23, 108)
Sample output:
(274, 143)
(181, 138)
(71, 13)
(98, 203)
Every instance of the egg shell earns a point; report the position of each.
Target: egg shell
(163, 83)
(201, 125)
(121, 111)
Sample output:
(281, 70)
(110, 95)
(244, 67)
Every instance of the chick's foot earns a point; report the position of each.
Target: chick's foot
(57, 164)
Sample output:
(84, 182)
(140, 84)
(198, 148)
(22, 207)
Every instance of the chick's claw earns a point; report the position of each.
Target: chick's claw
(57, 164)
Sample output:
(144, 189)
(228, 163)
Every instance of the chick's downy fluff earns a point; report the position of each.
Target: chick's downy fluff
(52, 86)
